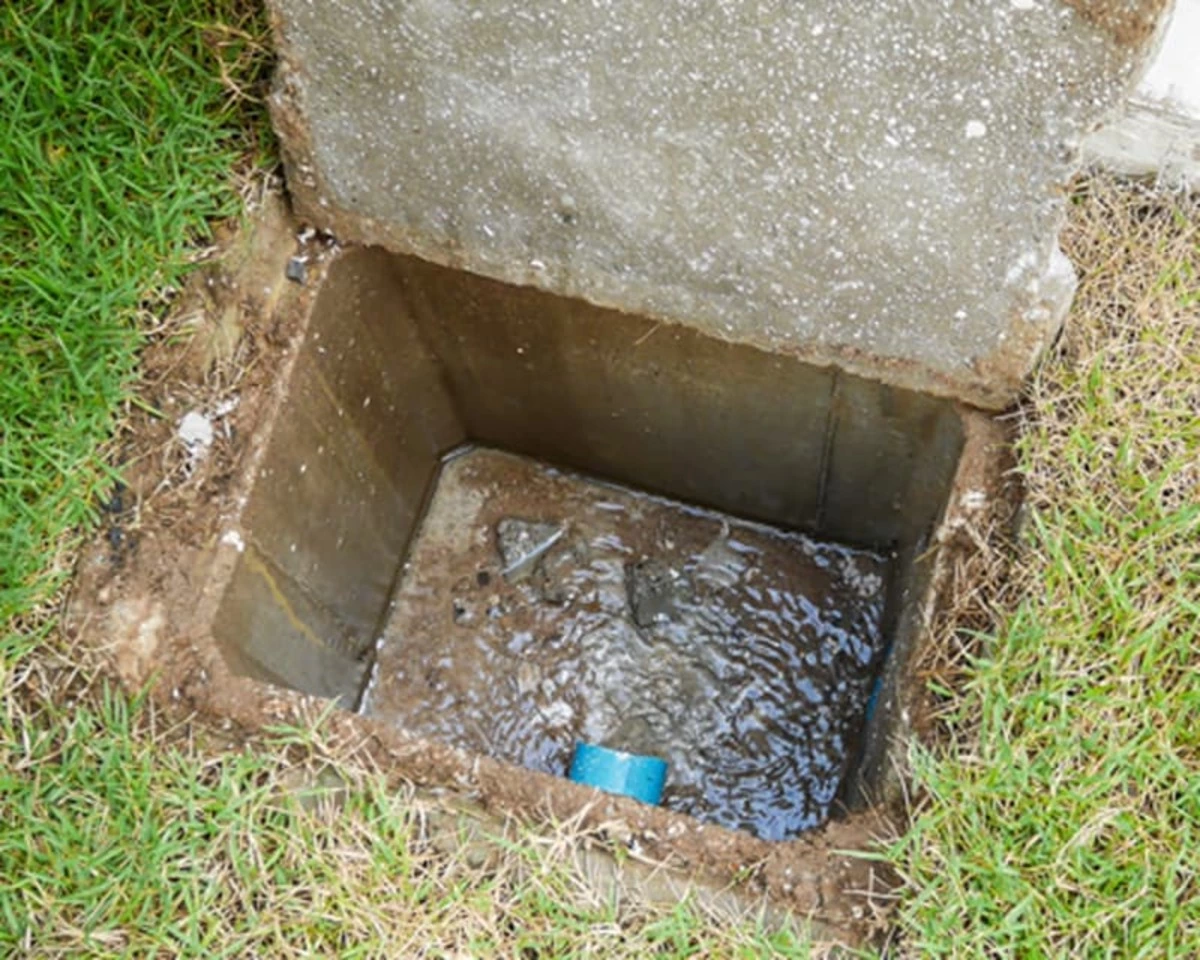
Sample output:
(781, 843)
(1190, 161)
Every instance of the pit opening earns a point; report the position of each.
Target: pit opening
(462, 472)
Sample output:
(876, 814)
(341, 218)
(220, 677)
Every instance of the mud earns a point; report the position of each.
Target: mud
(538, 607)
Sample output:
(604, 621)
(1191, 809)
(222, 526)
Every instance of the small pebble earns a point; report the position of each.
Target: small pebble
(297, 270)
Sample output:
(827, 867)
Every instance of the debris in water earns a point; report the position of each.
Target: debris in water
(553, 608)
(522, 543)
(654, 591)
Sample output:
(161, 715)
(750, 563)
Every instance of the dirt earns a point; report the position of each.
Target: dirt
(539, 608)
(1127, 22)
(206, 360)
(148, 588)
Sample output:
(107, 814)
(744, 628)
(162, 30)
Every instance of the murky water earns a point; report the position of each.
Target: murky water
(538, 607)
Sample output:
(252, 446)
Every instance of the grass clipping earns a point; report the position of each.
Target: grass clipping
(1065, 818)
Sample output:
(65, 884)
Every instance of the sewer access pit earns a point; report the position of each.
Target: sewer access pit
(487, 522)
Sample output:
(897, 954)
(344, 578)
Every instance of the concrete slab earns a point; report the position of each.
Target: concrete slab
(872, 185)
(1158, 134)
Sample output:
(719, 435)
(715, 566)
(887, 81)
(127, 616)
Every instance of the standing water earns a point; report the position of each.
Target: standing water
(538, 607)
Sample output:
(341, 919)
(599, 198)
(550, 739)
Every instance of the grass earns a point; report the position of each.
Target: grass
(123, 840)
(119, 145)
(1060, 813)
(1064, 820)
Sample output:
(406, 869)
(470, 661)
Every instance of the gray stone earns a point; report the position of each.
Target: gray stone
(875, 185)
(297, 270)
(654, 591)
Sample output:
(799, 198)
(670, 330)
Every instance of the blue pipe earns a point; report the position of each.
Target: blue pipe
(616, 771)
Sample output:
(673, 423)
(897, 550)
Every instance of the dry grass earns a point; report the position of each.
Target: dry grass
(1063, 816)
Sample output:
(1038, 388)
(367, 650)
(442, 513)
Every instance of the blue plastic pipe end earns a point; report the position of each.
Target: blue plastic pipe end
(615, 771)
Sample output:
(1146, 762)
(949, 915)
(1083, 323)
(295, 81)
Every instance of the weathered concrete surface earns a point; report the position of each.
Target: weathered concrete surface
(871, 184)
(1159, 131)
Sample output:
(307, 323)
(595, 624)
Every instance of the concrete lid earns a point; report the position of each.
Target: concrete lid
(876, 185)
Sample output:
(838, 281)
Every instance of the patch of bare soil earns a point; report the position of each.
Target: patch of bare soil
(206, 374)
